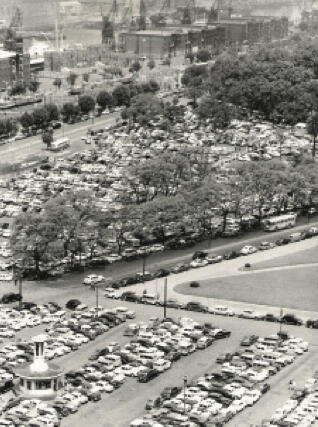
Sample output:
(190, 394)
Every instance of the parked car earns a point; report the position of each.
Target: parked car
(291, 319)
(196, 306)
(72, 304)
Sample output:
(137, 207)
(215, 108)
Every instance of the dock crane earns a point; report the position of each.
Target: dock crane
(189, 13)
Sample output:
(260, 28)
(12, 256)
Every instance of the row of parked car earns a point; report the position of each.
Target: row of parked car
(64, 336)
(12, 319)
(215, 398)
(29, 412)
(203, 258)
(300, 410)
(155, 346)
(219, 310)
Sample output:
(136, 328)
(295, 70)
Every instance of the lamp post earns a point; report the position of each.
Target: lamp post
(185, 383)
(96, 294)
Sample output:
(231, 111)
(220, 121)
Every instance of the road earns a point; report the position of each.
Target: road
(23, 148)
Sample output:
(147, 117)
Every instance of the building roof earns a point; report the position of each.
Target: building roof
(5, 54)
(24, 370)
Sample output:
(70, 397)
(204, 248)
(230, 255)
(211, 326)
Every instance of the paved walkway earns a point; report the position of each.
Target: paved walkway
(231, 268)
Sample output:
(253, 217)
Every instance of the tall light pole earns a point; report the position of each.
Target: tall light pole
(185, 383)
(165, 298)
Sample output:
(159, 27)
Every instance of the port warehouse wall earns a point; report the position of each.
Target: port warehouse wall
(160, 43)
(216, 34)
(87, 56)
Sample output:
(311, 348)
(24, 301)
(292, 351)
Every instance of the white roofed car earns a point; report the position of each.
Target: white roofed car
(247, 250)
(222, 310)
(93, 279)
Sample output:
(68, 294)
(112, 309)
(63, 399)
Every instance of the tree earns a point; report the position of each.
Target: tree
(203, 55)
(32, 239)
(135, 67)
(143, 108)
(154, 86)
(86, 103)
(104, 99)
(163, 215)
(17, 88)
(26, 121)
(312, 128)
(151, 64)
(121, 96)
(57, 82)
(218, 112)
(71, 79)
(40, 118)
(68, 111)
(52, 112)
(34, 85)
(47, 137)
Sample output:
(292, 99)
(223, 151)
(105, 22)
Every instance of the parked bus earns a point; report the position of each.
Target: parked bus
(60, 144)
(276, 223)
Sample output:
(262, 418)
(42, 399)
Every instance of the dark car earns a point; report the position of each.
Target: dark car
(170, 392)
(10, 297)
(72, 304)
(148, 375)
(263, 388)
(130, 296)
(27, 305)
(231, 255)
(179, 268)
(162, 272)
(270, 318)
(312, 324)
(291, 319)
(196, 306)
(199, 255)
(283, 241)
(94, 396)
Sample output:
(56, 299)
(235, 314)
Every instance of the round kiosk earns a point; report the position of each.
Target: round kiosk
(39, 379)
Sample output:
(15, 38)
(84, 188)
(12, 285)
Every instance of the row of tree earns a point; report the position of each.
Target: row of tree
(175, 205)
(41, 118)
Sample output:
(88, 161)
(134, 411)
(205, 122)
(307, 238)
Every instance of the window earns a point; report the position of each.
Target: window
(29, 385)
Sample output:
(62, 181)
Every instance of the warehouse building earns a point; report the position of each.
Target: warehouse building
(159, 43)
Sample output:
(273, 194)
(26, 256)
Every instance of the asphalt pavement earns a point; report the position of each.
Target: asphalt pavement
(21, 149)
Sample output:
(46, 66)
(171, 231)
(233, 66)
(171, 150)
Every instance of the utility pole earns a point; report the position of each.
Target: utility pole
(185, 383)
(165, 298)
(96, 294)
(280, 321)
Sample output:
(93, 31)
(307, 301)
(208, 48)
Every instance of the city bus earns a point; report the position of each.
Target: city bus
(60, 144)
(276, 223)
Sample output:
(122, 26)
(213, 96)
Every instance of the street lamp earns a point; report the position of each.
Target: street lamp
(185, 383)
(96, 295)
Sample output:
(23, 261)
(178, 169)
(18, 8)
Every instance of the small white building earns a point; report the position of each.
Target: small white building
(39, 379)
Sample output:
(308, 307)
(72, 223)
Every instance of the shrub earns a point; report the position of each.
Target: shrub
(247, 265)
(194, 285)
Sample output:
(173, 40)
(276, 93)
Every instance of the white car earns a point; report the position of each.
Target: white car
(250, 314)
(113, 258)
(222, 310)
(213, 259)
(247, 250)
(93, 279)
(198, 263)
(111, 293)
